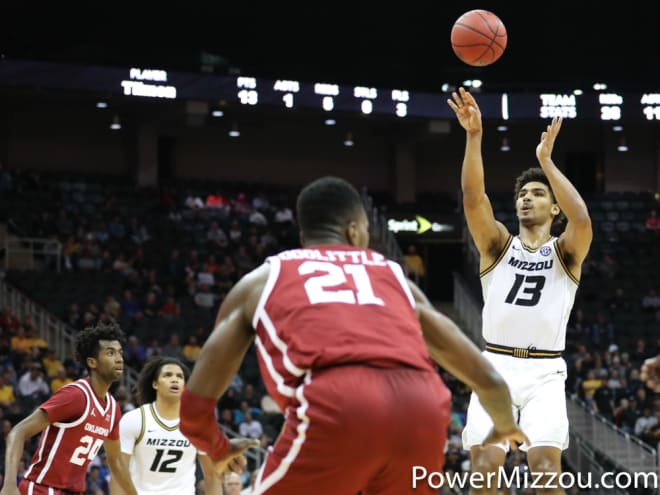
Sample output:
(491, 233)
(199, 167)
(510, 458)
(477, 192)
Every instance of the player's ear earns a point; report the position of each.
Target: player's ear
(555, 210)
(352, 234)
(91, 363)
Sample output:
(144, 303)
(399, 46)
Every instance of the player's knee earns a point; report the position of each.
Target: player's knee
(545, 465)
(484, 463)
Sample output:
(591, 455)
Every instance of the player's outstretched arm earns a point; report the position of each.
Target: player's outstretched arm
(451, 349)
(218, 362)
(27, 428)
(577, 236)
(489, 235)
(120, 478)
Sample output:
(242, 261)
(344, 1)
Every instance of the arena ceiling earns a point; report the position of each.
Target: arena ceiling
(552, 45)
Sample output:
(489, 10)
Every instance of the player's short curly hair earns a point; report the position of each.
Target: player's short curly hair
(150, 373)
(87, 340)
(532, 174)
(325, 206)
(535, 174)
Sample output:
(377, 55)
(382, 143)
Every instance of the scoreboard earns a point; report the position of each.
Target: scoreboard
(325, 96)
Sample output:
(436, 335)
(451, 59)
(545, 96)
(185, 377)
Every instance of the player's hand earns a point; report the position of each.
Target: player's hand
(544, 149)
(466, 109)
(514, 436)
(651, 373)
(234, 460)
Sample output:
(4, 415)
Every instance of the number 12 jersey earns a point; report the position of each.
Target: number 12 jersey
(163, 461)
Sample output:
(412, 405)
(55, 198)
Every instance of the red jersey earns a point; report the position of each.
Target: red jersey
(79, 424)
(334, 305)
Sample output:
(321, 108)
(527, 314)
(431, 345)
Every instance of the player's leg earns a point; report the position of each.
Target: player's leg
(546, 460)
(485, 460)
(545, 421)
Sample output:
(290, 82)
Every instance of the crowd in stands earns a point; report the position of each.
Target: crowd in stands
(161, 261)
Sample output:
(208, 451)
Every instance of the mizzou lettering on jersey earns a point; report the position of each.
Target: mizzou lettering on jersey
(167, 442)
(531, 266)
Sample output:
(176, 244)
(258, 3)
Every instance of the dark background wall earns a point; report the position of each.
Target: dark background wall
(292, 148)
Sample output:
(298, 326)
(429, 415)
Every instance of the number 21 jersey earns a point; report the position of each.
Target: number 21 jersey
(528, 297)
(334, 305)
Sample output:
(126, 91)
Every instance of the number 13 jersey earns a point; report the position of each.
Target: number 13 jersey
(528, 296)
(334, 305)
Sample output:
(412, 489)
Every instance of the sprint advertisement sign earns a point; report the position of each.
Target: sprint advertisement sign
(418, 225)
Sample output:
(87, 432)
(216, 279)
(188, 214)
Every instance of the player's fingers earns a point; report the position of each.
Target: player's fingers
(457, 99)
(235, 466)
(452, 105)
(240, 445)
(469, 99)
(522, 438)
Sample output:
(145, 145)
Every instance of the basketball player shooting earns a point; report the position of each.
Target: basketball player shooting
(529, 282)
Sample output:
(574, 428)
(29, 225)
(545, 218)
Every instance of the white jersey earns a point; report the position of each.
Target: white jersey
(163, 461)
(528, 296)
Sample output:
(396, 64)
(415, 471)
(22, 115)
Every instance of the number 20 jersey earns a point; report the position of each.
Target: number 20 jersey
(528, 297)
(79, 424)
(334, 305)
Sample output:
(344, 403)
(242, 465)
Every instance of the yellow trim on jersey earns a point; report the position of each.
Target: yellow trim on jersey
(530, 249)
(157, 419)
(143, 427)
(560, 256)
(499, 258)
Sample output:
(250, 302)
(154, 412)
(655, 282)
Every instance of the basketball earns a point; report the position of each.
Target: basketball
(478, 38)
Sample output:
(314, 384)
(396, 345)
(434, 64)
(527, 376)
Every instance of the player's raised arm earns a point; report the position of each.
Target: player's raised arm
(489, 235)
(577, 236)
